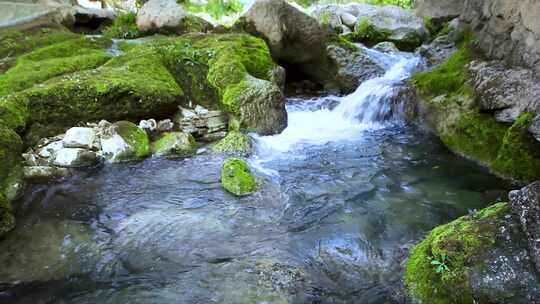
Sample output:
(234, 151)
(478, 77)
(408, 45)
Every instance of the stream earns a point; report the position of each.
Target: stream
(344, 191)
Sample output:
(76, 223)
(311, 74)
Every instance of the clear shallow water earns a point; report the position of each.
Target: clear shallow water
(342, 195)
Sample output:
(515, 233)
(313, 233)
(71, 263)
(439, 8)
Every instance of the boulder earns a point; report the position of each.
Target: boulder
(79, 138)
(329, 15)
(443, 10)
(10, 175)
(525, 205)
(167, 16)
(124, 141)
(174, 144)
(348, 19)
(74, 157)
(508, 92)
(389, 23)
(438, 51)
(534, 127)
(386, 47)
(484, 256)
(236, 177)
(235, 143)
(44, 173)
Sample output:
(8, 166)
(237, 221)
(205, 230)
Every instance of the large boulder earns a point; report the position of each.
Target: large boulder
(168, 16)
(443, 10)
(525, 205)
(389, 23)
(483, 255)
(509, 92)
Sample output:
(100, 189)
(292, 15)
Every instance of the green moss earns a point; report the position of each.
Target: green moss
(135, 137)
(366, 32)
(175, 143)
(519, 155)
(14, 42)
(7, 219)
(124, 27)
(51, 61)
(131, 86)
(461, 241)
(234, 142)
(236, 177)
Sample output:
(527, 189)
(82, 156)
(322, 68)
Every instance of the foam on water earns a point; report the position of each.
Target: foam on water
(369, 107)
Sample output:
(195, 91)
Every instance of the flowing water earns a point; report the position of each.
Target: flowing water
(344, 191)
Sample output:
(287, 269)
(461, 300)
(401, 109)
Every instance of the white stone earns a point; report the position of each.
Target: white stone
(149, 125)
(79, 138)
(348, 19)
(200, 110)
(114, 146)
(50, 149)
(74, 157)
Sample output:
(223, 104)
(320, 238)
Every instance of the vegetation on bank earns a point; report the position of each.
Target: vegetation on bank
(457, 245)
(507, 149)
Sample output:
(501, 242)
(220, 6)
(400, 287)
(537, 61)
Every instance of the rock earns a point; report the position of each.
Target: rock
(10, 175)
(50, 149)
(348, 19)
(509, 92)
(354, 67)
(236, 177)
(438, 51)
(534, 128)
(329, 15)
(235, 142)
(175, 144)
(345, 30)
(165, 125)
(486, 259)
(525, 205)
(200, 110)
(44, 173)
(443, 10)
(167, 16)
(149, 125)
(389, 23)
(292, 36)
(79, 138)
(123, 141)
(74, 157)
(386, 47)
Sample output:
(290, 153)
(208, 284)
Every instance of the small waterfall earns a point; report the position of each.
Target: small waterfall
(374, 103)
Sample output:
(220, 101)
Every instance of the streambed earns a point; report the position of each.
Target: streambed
(344, 191)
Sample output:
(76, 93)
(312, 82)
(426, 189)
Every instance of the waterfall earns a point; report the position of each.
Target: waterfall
(373, 105)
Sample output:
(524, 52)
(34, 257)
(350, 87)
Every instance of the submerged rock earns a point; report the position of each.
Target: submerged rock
(235, 142)
(124, 141)
(482, 255)
(236, 177)
(174, 144)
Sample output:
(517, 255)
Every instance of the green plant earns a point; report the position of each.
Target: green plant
(440, 263)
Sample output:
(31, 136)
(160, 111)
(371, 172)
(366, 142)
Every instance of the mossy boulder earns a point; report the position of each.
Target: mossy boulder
(11, 147)
(16, 42)
(483, 261)
(124, 26)
(235, 143)
(124, 141)
(232, 72)
(174, 144)
(448, 104)
(236, 177)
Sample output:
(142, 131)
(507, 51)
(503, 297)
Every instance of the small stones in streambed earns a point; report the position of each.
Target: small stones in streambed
(236, 177)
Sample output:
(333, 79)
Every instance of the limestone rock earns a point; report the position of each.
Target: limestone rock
(236, 177)
(124, 141)
(525, 205)
(74, 157)
(175, 144)
(79, 138)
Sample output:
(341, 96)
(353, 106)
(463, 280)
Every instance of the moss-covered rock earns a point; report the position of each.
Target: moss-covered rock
(235, 143)
(456, 246)
(448, 103)
(174, 144)
(15, 42)
(54, 60)
(233, 72)
(10, 175)
(124, 26)
(236, 177)
(124, 141)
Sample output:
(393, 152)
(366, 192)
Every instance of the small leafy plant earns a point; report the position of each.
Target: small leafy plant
(440, 263)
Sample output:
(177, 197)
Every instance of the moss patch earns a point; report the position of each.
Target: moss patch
(460, 242)
(124, 26)
(236, 177)
(234, 142)
(14, 42)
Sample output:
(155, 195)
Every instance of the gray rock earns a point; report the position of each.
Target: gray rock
(79, 138)
(534, 128)
(386, 47)
(165, 125)
(44, 173)
(124, 141)
(348, 19)
(438, 51)
(439, 9)
(525, 205)
(158, 14)
(175, 144)
(329, 15)
(74, 157)
(50, 149)
(509, 92)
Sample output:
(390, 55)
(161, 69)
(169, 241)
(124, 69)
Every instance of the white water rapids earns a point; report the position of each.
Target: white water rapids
(314, 123)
